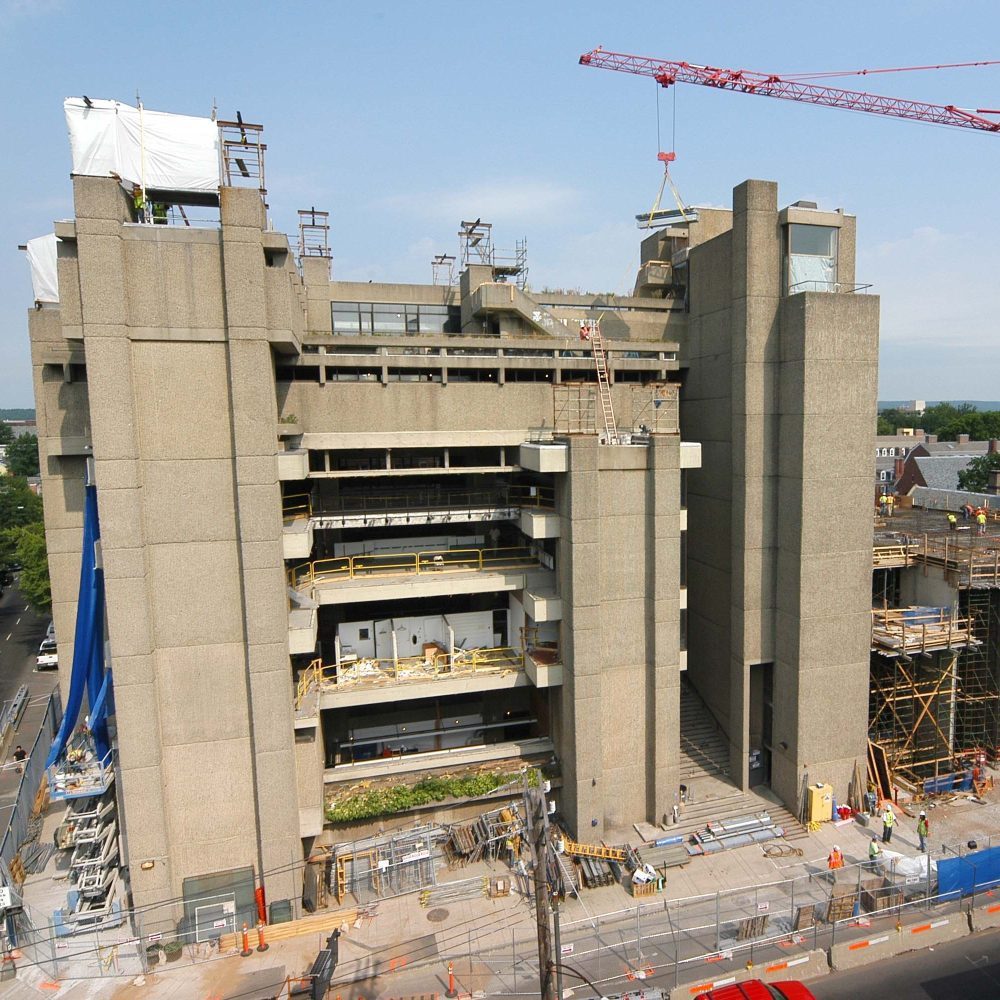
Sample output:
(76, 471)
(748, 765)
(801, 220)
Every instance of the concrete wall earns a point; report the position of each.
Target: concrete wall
(619, 572)
(780, 391)
(182, 414)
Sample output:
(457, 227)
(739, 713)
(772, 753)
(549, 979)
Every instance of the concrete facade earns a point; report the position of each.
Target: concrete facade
(236, 419)
(780, 390)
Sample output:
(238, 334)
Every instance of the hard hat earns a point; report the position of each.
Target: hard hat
(835, 847)
(923, 814)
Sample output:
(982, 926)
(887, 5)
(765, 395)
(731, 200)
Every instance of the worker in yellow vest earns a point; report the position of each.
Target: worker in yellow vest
(138, 203)
(952, 522)
(981, 522)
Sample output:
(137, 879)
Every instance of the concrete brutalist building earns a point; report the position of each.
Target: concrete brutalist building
(355, 530)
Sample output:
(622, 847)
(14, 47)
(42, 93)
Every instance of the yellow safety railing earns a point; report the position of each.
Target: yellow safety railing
(296, 506)
(369, 670)
(323, 571)
(311, 677)
(533, 496)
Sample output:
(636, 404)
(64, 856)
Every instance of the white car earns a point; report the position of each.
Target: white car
(48, 655)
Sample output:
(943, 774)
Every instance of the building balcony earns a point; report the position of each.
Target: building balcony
(438, 673)
(392, 575)
(542, 605)
(303, 628)
(544, 456)
(531, 506)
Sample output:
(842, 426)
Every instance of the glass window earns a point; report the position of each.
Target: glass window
(433, 319)
(388, 318)
(811, 260)
(346, 318)
(818, 241)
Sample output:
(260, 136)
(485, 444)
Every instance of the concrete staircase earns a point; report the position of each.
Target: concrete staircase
(712, 796)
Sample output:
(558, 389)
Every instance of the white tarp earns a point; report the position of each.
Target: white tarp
(41, 255)
(151, 148)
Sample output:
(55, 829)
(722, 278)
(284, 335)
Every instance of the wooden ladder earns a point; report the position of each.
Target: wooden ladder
(592, 330)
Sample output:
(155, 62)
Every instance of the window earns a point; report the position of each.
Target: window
(353, 318)
(883, 475)
(811, 258)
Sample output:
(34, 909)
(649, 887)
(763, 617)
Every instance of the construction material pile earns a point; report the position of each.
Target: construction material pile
(490, 836)
(739, 832)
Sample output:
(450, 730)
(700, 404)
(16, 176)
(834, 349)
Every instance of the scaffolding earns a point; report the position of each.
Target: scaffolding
(314, 233)
(243, 154)
(475, 241)
(443, 269)
(934, 699)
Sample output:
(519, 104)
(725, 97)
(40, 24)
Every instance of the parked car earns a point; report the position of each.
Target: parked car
(50, 631)
(48, 655)
(757, 989)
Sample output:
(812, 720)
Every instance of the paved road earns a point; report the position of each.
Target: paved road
(21, 630)
(967, 969)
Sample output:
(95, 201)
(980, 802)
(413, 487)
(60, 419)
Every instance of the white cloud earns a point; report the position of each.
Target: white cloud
(507, 200)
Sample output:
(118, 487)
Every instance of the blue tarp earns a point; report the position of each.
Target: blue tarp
(971, 873)
(88, 674)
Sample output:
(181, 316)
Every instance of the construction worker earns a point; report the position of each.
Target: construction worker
(923, 829)
(138, 203)
(160, 213)
(836, 859)
(883, 503)
(888, 822)
(952, 522)
(890, 500)
(981, 522)
(873, 853)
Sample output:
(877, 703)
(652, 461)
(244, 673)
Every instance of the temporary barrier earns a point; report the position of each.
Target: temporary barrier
(970, 873)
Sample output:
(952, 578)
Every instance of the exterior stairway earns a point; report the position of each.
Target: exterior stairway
(712, 796)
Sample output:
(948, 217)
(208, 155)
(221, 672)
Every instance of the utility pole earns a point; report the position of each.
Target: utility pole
(536, 818)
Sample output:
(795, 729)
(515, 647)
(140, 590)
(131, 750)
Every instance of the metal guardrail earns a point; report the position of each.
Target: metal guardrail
(827, 286)
(325, 571)
(386, 671)
(299, 505)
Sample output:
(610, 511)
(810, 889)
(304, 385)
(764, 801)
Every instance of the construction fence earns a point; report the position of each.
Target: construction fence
(770, 928)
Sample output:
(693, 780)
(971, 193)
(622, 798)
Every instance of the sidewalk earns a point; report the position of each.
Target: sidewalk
(403, 950)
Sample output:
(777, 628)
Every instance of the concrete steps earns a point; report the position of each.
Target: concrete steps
(704, 748)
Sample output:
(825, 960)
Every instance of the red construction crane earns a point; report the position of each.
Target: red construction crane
(792, 88)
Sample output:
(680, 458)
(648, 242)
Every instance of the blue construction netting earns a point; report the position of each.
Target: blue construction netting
(970, 873)
(88, 674)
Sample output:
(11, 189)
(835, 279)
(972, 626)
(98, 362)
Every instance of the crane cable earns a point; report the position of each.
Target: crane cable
(667, 179)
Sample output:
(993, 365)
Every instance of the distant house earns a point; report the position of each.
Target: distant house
(936, 464)
(890, 449)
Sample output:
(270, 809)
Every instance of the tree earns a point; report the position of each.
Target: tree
(6, 433)
(18, 505)
(22, 456)
(976, 475)
(33, 557)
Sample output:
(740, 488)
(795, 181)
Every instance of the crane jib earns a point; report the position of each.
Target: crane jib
(667, 73)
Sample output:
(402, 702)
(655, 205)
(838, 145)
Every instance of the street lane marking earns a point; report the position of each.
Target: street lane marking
(9, 634)
(18, 622)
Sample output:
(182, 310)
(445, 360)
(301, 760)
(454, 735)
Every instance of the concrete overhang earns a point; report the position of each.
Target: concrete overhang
(353, 696)
(540, 523)
(303, 630)
(811, 217)
(544, 457)
(411, 439)
(543, 675)
(543, 605)
(66, 446)
(65, 230)
(293, 464)
(297, 539)
(690, 454)
(418, 585)
(414, 763)
(310, 822)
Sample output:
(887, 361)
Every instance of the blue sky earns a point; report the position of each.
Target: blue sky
(401, 119)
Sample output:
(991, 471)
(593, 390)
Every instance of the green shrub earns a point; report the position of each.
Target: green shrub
(368, 803)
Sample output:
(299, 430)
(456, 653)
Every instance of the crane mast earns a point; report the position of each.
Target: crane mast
(667, 73)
